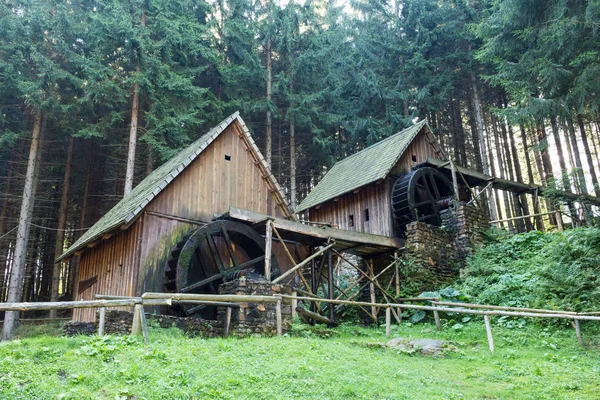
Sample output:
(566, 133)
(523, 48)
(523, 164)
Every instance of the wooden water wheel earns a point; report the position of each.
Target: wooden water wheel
(218, 252)
(419, 196)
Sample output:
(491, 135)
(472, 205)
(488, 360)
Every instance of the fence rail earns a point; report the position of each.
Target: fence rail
(233, 301)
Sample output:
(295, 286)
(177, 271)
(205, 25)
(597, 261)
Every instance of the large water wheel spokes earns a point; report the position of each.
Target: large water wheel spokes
(216, 253)
(419, 196)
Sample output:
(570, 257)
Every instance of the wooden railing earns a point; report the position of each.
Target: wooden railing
(139, 325)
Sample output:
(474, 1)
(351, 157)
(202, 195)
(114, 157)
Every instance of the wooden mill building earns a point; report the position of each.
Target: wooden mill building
(124, 252)
(355, 193)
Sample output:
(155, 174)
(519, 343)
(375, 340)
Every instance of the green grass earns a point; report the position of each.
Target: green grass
(530, 363)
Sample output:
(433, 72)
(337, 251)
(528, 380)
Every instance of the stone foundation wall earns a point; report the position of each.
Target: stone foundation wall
(432, 254)
(437, 254)
(249, 318)
(119, 323)
(256, 318)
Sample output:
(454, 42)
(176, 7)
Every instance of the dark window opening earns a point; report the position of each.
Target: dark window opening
(366, 214)
(414, 158)
(351, 219)
(228, 158)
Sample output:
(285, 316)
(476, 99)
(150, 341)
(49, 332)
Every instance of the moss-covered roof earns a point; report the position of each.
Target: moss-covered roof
(360, 169)
(132, 205)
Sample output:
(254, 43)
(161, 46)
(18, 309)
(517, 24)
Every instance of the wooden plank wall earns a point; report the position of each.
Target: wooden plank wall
(114, 262)
(132, 261)
(374, 197)
(211, 184)
(420, 148)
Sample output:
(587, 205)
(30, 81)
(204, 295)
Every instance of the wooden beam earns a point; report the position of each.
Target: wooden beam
(303, 263)
(268, 245)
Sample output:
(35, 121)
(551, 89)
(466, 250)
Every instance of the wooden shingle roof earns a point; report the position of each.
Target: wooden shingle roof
(131, 206)
(360, 169)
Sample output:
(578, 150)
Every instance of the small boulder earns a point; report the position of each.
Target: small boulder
(429, 347)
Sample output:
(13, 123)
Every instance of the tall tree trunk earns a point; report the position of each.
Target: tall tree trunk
(15, 289)
(82, 222)
(560, 153)
(475, 138)
(577, 156)
(135, 104)
(588, 155)
(486, 145)
(479, 123)
(4, 214)
(292, 154)
(510, 155)
(456, 140)
(563, 165)
(502, 168)
(546, 164)
(522, 200)
(497, 212)
(62, 223)
(268, 132)
(149, 161)
(135, 107)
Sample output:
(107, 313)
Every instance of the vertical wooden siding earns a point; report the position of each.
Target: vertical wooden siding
(374, 197)
(211, 184)
(420, 148)
(113, 261)
(132, 261)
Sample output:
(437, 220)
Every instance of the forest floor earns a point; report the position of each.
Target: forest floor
(533, 362)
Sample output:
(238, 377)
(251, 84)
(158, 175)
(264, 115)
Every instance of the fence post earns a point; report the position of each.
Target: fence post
(577, 330)
(101, 321)
(278, 316)
(488, 329)
(388, 321)
(143, 324)
(136, 327)
(436, 316)
(227, 322)
(294, 304)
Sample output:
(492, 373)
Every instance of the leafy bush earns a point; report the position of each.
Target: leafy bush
(544, 270)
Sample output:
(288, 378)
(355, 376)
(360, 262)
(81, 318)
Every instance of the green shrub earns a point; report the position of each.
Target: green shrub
(544, 270)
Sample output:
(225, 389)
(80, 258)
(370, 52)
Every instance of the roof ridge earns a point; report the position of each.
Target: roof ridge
(145, 191)
(384, 140)
(342, 177)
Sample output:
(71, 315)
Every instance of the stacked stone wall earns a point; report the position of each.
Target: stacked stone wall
(256, 318)
(249, 318)
(436, 255)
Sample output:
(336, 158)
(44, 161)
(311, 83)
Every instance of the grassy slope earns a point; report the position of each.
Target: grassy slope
(530, 363)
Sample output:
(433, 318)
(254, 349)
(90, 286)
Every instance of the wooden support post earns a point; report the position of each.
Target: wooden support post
(136, 327)
(143, 324)
(388, 321)
(303, 263)
(330, 294)
(397, 278)
(436, 316)
(454, 180)
(278, 316)
(372, 278)
(488, 330)
(227, 324)
(577, 330)
(268, 245)
(313, 285)
(102, 320)
(294, 304)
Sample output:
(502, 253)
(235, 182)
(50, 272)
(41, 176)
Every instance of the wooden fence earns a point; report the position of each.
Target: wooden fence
(139, 325)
